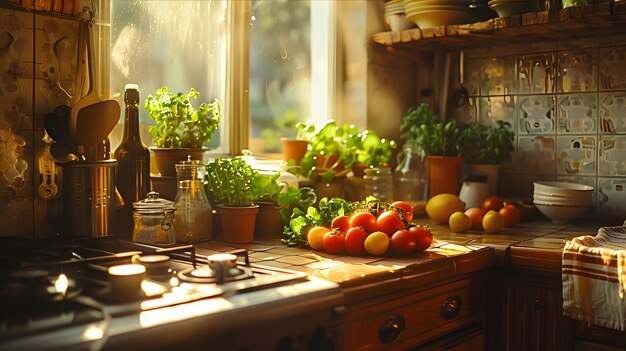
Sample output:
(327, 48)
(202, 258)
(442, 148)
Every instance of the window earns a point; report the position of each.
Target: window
(193, 43)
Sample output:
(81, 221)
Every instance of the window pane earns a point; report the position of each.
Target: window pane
(280, 71)
(179, 44)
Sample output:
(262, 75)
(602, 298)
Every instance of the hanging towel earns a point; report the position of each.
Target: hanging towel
(594, 278)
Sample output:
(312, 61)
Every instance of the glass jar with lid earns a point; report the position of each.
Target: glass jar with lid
(194, 214)
(153, 221)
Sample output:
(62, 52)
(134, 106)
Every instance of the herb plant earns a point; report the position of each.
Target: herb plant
(300, 198)
(231, 182)
(482, 144)
(266, 187)
(178, 123)
(330, 153)
(422, 130)
(374, 151)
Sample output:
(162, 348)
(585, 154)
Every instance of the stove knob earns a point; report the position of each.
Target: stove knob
(391, 329)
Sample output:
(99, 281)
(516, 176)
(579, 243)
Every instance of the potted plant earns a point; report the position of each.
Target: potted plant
(230, 185)
(372, 152)
(294, 149)
(180, 129)
(268, 223)
(439, 142)
(485, 149)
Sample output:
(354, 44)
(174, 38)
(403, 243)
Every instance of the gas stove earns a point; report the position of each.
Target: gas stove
(104, 293)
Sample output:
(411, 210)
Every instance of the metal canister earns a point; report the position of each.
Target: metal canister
(89, 197)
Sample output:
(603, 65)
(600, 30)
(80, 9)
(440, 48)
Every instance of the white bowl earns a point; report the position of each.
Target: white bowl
(561, 202)
(561, 188)
(562, 214)
(398, 22)
(576, 197)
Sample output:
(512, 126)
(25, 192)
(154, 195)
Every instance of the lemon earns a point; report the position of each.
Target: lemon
(493, 222)
(459, 222)
(440, 207)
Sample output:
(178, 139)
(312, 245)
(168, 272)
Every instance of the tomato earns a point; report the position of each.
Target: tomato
(334, 242)
(315, 237)
(404, 209)
(492, 203)
(342, 223)
(476, 215)
(422, 236)
(402, 241)
(389, 222)
(364, 220)
(377, 243)
(510, 214)
(355, 241)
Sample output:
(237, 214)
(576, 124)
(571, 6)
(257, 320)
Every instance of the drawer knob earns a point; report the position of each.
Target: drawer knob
(391, 329)
(451, 307)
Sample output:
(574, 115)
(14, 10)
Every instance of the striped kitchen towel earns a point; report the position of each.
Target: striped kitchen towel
(594, 278)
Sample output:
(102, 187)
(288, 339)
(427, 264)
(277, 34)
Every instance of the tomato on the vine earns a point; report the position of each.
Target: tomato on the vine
(364, 220)
(402, 241)
(342, 223)
(389, 222)
(422, 236)
(334, 242)
(404, 209)
(355, 241)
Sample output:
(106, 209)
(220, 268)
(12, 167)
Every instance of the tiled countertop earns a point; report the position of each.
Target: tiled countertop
(534, 244)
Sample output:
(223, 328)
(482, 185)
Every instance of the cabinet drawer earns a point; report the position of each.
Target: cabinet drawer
(406, 322)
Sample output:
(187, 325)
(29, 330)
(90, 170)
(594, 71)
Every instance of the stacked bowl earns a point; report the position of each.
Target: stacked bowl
(562, 202)
(506, 8)
(433, 13)
(395, 17)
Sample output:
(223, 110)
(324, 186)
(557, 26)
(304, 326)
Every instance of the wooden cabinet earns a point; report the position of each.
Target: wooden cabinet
(449, 316)
(533, 313)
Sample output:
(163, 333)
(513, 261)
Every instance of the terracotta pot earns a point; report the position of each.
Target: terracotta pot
(166, 158)
(293, 149)
(359, 169)
(268, 224)
(238, 223)
(444, 174)
(323, 166)
(329, 190)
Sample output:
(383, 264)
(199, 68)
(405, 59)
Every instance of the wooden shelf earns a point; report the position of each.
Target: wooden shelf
(606, 19)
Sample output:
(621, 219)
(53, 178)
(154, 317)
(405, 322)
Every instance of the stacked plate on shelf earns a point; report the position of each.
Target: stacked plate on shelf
(433, 13)
(562, 202)
(395, 16)
(506, 8)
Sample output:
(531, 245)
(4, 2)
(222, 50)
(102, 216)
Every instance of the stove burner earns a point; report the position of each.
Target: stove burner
(221, 268)
(37, 286)
(157, 266)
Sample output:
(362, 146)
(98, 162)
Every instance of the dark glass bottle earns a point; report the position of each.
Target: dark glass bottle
(133, 157)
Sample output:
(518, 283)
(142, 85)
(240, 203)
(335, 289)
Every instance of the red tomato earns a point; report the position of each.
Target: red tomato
(510, 214)
(355, 241)
(389, 222)
(492, 203)
(422, 236)
(334, 242)
(402, 241)
(364, 220)
(404, 209)
(342, 223)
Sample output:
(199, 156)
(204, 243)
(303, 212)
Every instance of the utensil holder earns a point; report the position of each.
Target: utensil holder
(89, 198)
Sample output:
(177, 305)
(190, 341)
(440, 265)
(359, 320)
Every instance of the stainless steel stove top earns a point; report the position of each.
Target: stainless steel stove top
(102, 293)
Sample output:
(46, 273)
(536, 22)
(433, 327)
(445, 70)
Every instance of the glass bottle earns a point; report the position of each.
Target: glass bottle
(193, 220)
(133, 157)
(410, 177)
(379, 183)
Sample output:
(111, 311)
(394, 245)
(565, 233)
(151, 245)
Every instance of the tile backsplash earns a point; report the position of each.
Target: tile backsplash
(566, 102)
(37, 73)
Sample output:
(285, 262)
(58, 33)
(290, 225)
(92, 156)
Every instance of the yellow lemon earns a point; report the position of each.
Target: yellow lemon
(493, 222)
(459, 222)
(440, 207)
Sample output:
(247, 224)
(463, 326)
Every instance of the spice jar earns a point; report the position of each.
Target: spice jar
(153, 221)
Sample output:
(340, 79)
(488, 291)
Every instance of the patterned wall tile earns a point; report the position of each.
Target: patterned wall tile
(612, 112)
(576, 155)
(536, 114)
(611, 201)
(577, 70)
(498, 108)
(612, 72)
(612, 156)
(498, 76)
(536, 74)
(577, 113)
(536, 154)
